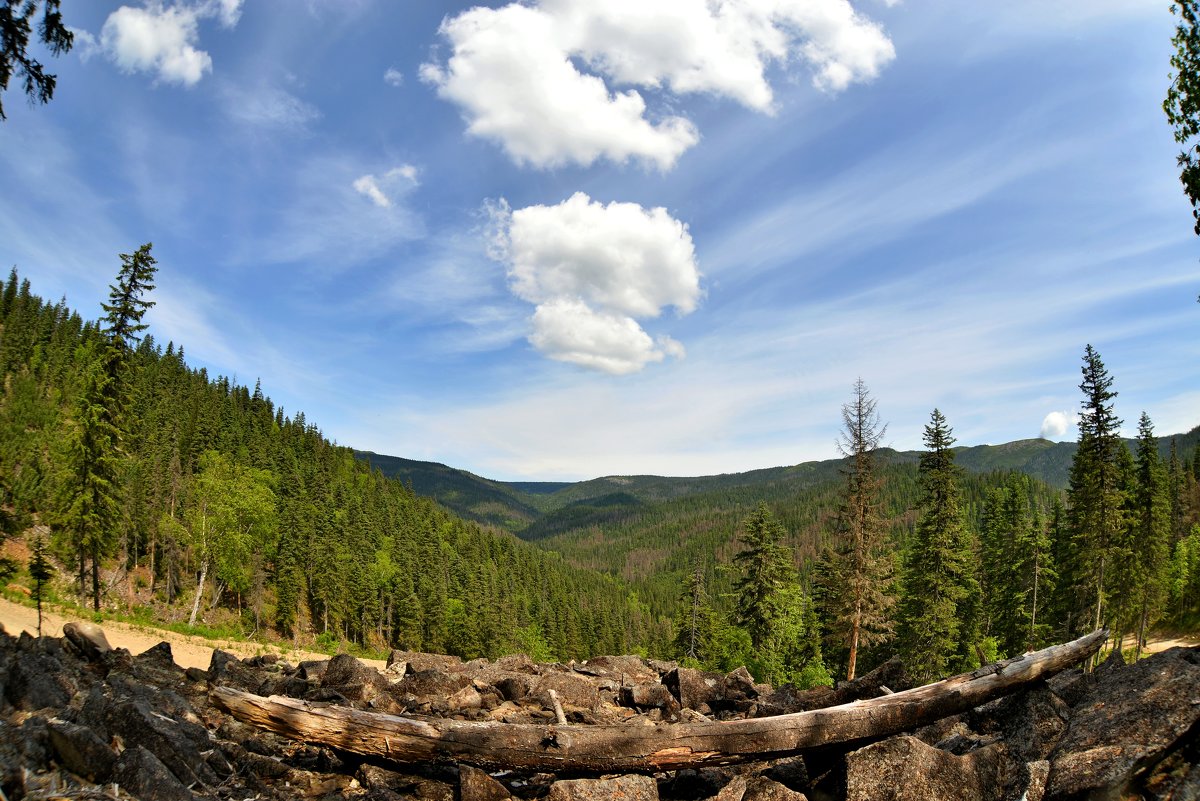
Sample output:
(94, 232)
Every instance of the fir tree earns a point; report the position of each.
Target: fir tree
(938, 573)
(1150, 533)
(766, 570)
(1095, 498)
(41, 571)
(857, 570)
(697, 628)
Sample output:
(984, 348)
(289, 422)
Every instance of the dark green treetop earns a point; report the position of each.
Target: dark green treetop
(16, 26)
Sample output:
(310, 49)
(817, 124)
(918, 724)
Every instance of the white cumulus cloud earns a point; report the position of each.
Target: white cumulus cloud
(593, 270)
(541, 78)
(393, 77)
(1055, 425)
(162, 38)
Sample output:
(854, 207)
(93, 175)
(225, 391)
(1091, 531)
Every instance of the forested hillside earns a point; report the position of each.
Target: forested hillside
(152, 477)
(221, 501)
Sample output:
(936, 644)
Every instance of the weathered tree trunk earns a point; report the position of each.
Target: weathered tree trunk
(199, 592)
(550, 747)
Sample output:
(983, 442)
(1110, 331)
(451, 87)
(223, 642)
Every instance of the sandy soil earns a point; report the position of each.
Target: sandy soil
(188, 651)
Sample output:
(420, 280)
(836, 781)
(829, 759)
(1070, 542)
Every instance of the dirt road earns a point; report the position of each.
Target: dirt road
(188, 651)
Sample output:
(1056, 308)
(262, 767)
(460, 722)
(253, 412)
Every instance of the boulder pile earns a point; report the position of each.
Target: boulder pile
(79, 719)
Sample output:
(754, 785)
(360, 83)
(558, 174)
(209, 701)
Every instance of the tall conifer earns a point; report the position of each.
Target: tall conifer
(857, 570)
(1095, 497)
(938, 574)
(1151, 527)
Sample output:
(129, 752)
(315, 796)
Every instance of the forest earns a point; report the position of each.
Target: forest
(153, 485)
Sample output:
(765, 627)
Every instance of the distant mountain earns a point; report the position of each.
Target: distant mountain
(535, 510)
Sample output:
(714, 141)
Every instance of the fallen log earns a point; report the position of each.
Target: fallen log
(613, 748)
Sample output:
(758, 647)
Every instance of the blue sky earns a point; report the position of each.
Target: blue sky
(568, 239)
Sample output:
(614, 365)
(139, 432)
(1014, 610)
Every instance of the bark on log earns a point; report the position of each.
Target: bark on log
(615, 748)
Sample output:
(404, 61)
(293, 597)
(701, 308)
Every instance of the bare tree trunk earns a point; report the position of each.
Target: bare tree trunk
(199, 592)
(96, 577)
(620, 747)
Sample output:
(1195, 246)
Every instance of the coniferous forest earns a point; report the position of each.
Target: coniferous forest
(155, 485)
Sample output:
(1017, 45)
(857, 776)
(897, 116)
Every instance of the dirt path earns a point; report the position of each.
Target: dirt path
(189, 651)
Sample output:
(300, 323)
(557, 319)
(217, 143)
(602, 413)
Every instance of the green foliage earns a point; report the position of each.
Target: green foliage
(1096, 497)
(939, 570)
(346, 551)
(856, 579)
(1183, 580)
(1017, 567)
(16, 26)
(1182, 104)
(1148, 537)
(766, 570)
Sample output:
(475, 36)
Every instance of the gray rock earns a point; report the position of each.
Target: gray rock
(903, 768)
(1129, 720)
(142, 774)
(626, 788)
(476, 785)
(760, 788)
(37, 681)
(226, 670)
(88, 638)
(692, 687)
(650, 696)
(81, 751)
(177, 743)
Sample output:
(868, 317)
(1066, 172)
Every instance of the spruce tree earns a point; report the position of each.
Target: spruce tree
(41, 571)
(766, 569)
(1095, 498)
(1150, 535)
(857, 570)
(938, 574)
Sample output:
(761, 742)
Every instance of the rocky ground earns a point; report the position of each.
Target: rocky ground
(81, 720)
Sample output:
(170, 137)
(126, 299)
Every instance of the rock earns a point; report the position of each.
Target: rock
(381, 780)
(160, 653)
(903, 768)
(177, 743)
(226, 670)
(628, 669)
(431, 684)
(345, 669)
(573, 690)
(88, 638)
(760, 788)
(1071, 685)
(514, 688)
(1129, 720)
(650, 696)
(691, 687)
(418, 662)
(737, 685)
(475, 785)
(37, 681)
(625, 788)
(1030, 722)
(313, 669)
(734, 791)
(81, 751)
(1034, 778)
(466, 698)
(142, 774)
